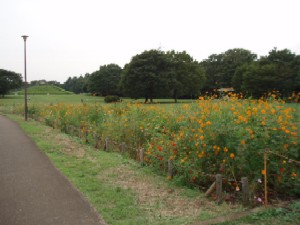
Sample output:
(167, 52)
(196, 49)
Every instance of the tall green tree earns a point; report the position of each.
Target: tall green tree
(186, 76)
(280, 71)
(9, 80)
(221, 68)
(106, 80)
(76, 84)
(146, 76)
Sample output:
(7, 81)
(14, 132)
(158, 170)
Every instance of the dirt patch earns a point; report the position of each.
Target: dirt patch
(157, 199)
(67, 145)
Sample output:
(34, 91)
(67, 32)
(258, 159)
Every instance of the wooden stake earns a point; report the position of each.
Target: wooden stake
(170, 168)
(142, 156)
(122, 147)
(245, 190)
(219, 188)
(265, 176)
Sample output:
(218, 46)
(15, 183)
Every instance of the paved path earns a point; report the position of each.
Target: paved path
(32, 190)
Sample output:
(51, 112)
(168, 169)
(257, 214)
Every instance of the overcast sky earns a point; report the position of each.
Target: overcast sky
(74, 37)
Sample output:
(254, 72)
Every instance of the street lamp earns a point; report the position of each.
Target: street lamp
(25, 86)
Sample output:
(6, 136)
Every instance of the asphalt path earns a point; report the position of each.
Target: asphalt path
(32, 190)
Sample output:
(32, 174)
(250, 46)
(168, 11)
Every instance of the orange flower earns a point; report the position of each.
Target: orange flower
(202, 138)
(225, 149)
(243, 142)
(263, 172)
(232, 155)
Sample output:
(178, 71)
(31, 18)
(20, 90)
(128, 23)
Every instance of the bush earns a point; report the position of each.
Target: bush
(111, 98)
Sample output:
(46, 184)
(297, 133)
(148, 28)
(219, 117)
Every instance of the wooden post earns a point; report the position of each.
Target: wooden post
(106, 145)
(265, 175)
(245, 190)
(219, 192)
(142, 156)
(86, 136)
(170, 168)
(122, 147)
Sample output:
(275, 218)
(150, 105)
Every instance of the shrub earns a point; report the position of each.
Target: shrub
(111, 98)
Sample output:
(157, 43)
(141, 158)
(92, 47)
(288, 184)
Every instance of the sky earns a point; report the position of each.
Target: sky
(70, 38)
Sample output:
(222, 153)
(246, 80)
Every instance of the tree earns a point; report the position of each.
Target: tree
(76, 84)
(258, 79)
(279, 71)
(105, 81)
(8, 81)
(221, 68)
(146, 75)
(186, 75)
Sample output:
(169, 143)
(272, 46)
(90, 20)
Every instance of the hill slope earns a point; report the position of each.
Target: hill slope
(45, 90)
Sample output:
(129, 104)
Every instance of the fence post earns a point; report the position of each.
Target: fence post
(245, 190)
(106, 145)
(265, 180)
(170, 168)
(122, 147)
(142, 156)
(219, 188)
(86, 136)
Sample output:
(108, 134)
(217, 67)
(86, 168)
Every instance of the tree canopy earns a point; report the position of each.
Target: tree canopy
(146, 75)
(77, 84)
(9, 80)
(279, 71)
(106, 80)
(155, 74)
(220, 68)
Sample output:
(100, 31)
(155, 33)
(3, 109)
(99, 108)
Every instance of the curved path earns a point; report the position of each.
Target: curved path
(32, 190)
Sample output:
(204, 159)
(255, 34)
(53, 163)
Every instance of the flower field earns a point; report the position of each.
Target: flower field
(201, 138)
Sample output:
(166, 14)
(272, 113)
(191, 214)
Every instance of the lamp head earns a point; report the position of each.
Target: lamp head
(24, 37)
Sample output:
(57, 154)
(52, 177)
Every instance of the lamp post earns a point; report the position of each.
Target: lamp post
(25, 75)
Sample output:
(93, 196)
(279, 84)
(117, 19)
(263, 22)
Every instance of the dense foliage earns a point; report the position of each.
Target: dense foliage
(77, 84)
(156, 74)
(9, 81)
(105, 81)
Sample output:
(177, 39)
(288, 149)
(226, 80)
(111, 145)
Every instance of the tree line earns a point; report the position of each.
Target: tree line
(158, 74)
